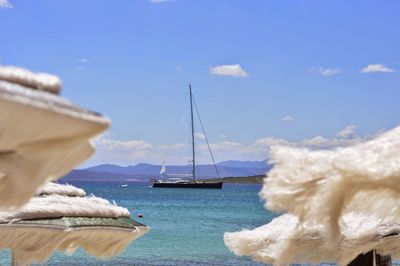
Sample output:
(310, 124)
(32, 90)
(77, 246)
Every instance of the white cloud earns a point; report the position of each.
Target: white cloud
(372, 68)
(261, 146)
(270, 141)
(346, 132)
(224, 136)
(130, 152)
(229, 150)
(223, 146)
(120, 152)
(199, 135)
(329, 71)
(287, 119)
(345, 137)
(175, 146)
(110, 144)
(229, 70)
(315, 142)
(326, 71)
(5, 4)
(223, 150)
(259, 149)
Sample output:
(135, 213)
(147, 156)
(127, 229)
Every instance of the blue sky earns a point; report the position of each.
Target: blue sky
(263, 72)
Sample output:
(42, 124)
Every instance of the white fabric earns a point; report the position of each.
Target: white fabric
(342, 202)
(40, 81)
(42, 137)
(37, 243)
(60, 189)
(57, 206)
(284, 241)
(317, 185)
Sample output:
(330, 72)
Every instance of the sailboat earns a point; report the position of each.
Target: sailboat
(190, 182)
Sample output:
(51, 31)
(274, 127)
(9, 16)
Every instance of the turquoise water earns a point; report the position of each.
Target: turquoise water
(187, 225)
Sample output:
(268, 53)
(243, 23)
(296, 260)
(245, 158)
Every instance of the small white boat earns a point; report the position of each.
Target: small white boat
(124, 185)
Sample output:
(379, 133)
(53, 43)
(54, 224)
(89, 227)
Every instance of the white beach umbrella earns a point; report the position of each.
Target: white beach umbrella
(65, 221)
(285, 241)
(342, 202)
(42, 135)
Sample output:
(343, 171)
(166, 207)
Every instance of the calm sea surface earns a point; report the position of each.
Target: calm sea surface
(187, 225)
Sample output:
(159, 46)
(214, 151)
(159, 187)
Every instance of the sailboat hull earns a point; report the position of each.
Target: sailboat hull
(211, 185)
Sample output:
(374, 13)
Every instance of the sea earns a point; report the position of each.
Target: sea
(187, 225)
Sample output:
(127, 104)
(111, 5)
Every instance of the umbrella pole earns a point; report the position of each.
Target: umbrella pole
(383, 260)
(13, 259)
(372, 259)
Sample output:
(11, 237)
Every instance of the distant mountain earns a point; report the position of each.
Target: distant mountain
(228, 168)
(82, 175)
(143, 171)
(138, 169)
(244, 164)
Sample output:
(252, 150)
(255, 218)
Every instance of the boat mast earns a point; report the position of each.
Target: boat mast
(193, 151)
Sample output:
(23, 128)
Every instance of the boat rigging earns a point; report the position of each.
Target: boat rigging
(189, 183)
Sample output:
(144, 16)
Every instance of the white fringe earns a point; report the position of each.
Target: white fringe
(60, 189)
(317, 185)
(345, 201)
(24, 77)
(42, 138)
(31, 244)
(284, 241)
(52, 206)
(36, 242)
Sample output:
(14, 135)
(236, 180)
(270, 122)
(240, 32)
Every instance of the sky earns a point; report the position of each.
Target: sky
(311, 73)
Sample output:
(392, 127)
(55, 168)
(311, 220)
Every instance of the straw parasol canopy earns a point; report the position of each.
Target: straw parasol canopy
(65, 221)
(340, 203)
(42, 135)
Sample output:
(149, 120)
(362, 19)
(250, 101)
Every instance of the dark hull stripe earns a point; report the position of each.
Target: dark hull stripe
(217, 185)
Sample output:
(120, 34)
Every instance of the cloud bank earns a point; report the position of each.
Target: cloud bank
(130, 152)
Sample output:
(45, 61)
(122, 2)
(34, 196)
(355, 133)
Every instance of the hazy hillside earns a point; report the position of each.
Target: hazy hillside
(244, 164)
(86, 175)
